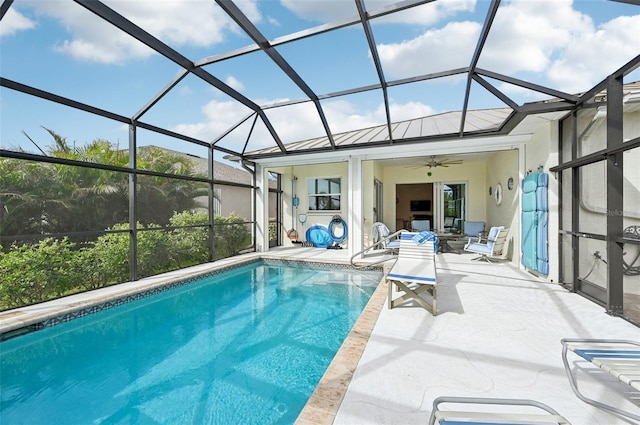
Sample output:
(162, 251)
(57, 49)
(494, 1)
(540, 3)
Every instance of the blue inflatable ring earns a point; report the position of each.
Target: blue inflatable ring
(342, 237)
(319, 236)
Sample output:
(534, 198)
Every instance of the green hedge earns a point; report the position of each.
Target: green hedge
(54, 268)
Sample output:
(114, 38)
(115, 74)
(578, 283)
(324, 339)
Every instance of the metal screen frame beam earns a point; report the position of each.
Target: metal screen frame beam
(252, 31)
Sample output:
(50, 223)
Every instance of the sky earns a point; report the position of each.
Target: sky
(60, 47)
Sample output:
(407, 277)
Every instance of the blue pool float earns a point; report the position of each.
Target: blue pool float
(319, 236)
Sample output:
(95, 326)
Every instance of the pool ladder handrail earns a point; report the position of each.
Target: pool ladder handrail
(376, 244)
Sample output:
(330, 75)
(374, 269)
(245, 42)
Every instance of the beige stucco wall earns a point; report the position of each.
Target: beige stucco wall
(368, 176)
(303, 173)
(371, 170)
(472, 173)
(500, 167)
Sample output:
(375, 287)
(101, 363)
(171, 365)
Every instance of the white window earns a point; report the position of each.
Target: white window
(324, 194)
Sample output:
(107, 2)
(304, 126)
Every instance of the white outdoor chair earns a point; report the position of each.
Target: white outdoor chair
(420, 225)
(491, 248)
(383, 239)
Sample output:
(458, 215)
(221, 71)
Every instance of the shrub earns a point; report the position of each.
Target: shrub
(190, 245)
(54, 268)
(231, 235)
(38, 272)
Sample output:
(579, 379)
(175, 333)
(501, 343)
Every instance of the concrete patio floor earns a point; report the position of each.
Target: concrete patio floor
(497, 334)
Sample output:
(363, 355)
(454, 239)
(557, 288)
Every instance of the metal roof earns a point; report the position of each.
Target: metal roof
(446, 124)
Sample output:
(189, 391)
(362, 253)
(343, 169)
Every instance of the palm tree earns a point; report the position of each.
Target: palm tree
(40, 198)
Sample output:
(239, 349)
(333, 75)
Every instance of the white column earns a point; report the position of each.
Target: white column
(354, 221)
(522, 162)
(262, 209)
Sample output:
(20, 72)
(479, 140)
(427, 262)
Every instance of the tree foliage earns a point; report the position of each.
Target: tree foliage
(45, 198)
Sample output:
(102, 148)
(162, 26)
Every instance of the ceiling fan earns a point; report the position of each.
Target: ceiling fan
(443, 162)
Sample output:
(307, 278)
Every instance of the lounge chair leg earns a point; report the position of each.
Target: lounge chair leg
(484, 258)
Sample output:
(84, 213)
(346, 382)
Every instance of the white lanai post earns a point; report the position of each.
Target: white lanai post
(354, 215)
(262, 209)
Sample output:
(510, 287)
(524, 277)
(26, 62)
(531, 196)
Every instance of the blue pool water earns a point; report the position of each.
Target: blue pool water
(244, 347)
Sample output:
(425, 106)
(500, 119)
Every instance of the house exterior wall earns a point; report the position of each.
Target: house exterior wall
(472, 173)
(236, 200)
(542, 151)
(369, 172)
(302, 174)
(500, 167)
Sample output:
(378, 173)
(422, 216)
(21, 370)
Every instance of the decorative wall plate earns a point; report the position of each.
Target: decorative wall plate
(498, 194)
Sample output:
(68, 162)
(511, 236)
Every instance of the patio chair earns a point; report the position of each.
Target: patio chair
(383, 239)
(619, 358)
(473, 229)
(511, 411)
(420, 225)
(491, 248)
(415, 270)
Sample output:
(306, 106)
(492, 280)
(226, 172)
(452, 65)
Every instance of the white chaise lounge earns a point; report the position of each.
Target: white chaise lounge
(507, 411)
(619, 358)
(414, 273)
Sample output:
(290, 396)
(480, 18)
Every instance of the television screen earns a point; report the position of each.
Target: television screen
(420, 205)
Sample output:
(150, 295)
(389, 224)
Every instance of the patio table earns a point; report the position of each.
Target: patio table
(450, 242)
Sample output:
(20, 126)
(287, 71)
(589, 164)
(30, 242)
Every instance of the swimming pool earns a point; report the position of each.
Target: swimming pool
(244, 347)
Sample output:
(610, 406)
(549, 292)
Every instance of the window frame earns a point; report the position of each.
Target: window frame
(331, 195)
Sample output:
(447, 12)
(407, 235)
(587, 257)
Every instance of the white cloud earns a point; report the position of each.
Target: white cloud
(273, 21)
(176, 23)
(13, 22)
(234, 83)
(525, 35)
(563, 48)
(591, 57)
(293, 123)
(546, 42)
(410, 110)
(425, 15)
(185, 91)
(317, 10)
(435, 50)
(219, 116)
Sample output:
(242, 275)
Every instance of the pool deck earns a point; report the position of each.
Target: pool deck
(497, 334)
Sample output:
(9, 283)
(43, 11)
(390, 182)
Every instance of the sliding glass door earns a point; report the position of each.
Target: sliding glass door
(451, 206)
